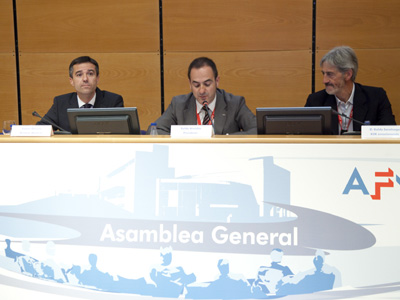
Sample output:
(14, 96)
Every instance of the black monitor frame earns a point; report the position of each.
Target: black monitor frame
(294, 120)
(107, 120)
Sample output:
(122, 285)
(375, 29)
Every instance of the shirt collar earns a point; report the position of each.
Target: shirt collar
(349, 102)
(92, 101)
(211, 106)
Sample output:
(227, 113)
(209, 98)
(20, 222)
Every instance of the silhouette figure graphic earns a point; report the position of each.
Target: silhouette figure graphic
(318, 281)
(268, 277)
(170, 281)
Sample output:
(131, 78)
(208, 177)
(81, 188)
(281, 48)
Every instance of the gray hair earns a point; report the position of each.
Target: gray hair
(344, 58)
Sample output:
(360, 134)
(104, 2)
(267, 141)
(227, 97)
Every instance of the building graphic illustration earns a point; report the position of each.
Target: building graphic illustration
(178, 217)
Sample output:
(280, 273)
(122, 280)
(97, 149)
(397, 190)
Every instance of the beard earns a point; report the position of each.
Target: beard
(333, 89)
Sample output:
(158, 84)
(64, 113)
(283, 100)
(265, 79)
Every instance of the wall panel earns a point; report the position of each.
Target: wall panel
(237, 25)
(88, 26)
(275, 78)
(7, 43)
(359, 24)
(135, 76)
(8, 75)
(8, 88)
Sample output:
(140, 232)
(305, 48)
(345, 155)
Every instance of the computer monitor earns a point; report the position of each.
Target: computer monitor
(294, 120)
(113, 120)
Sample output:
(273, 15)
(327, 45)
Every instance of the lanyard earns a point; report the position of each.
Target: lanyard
(199, 120)
(348, 124)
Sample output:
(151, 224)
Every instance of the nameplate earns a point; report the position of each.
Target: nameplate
(31, 130)
(380, 132)
(191, 131)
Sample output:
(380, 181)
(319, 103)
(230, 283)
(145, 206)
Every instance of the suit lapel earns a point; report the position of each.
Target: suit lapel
(220, 114)
(359, 107)
(190, 111)
(330, 100)
(99, 99)
(73, 101)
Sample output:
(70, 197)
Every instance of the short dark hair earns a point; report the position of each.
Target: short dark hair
(201, 62)
(81, 60)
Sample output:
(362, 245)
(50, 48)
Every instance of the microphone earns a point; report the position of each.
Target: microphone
(351, 119)
(205, 104)
(48, 121)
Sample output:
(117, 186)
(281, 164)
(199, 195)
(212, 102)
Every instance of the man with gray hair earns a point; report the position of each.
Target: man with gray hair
(359, 102)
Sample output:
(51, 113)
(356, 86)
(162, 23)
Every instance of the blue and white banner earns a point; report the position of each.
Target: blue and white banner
(199, 221)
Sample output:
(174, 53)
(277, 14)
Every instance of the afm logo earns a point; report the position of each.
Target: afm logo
(356, 183)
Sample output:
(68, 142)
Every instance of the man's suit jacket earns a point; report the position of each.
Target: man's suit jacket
(58, 112)
(231, 115)
(369, 104)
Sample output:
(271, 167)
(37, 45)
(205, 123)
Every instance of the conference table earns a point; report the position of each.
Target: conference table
(227, 217)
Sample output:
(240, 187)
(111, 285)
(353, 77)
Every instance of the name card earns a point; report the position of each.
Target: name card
(192, 131)
(380, 132)
(31, 130)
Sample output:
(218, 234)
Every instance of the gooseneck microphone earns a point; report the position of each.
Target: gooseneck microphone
(48, 121)
(205, 104)
(351, 119)
(345, 132)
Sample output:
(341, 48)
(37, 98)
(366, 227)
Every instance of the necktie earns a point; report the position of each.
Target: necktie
(206, 119)
(87, 105)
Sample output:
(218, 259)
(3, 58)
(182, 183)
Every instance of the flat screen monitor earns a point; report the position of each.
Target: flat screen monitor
(294, 120)
(113, 120)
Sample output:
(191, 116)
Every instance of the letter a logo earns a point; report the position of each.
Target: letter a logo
(355, 183)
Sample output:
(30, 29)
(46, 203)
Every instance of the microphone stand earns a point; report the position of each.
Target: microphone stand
(62, 130)
(351, 119)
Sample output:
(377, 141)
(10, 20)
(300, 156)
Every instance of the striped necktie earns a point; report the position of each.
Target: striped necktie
(206, 120)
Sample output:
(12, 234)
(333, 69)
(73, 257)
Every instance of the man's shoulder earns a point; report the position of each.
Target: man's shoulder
(107, 94)
(229, 96)
(319, 94)
(182, 100)
(65, 100)
(368, 88)
(183, 97)
(320, 98)
(65, 96)
(230, 100)
(369, 93)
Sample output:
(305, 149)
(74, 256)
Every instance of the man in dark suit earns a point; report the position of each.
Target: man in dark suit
(84, 77)
(362, 103)
(229, 113)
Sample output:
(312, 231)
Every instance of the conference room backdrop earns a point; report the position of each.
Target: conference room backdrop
(266, 50)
